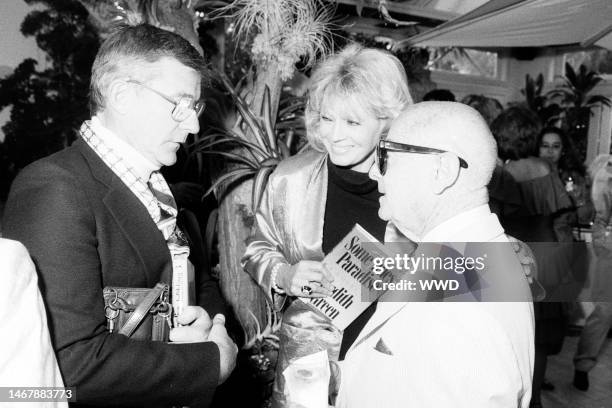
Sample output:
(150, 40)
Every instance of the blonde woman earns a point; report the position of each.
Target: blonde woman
(313, 199)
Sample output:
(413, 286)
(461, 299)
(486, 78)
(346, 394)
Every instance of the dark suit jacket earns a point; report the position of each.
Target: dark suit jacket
(86, 230)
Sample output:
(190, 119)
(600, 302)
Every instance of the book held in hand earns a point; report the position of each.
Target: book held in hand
(350, 263)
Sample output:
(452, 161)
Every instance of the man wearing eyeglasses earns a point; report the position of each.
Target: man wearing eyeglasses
(476, 351)
(100, 214)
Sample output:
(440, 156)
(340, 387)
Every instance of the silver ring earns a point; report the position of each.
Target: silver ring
(306, 290)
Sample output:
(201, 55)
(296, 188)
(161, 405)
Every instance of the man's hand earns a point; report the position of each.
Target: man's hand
(530, 267)
(227, 348)
(196, 326)
(526, 258)
(305, 273)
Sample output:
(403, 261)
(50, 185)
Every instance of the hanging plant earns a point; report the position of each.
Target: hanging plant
(286, 31)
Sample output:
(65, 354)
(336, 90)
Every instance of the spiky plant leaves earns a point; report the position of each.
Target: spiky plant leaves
(229, 177)
(576, 85)
(285, 31)
(246, 114)
(539, 84)
(259, 185)
(235, 157)
(267, 121)
(295, 104)
(595, 99)
(230, 138)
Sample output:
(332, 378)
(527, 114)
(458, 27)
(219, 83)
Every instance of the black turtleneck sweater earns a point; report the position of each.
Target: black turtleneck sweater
(352, 198)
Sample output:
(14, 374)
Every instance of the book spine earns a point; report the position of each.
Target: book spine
(180, 281)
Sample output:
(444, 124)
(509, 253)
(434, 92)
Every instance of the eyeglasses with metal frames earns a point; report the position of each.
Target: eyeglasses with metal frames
(183, 107)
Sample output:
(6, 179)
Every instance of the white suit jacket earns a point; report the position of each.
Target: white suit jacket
(438, 355)
(26, 356)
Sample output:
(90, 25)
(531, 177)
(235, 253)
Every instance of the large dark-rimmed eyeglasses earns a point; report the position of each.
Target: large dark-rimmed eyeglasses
(385, 146)
(184, 106)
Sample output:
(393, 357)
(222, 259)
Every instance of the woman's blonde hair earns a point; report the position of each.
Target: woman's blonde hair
(374, 78)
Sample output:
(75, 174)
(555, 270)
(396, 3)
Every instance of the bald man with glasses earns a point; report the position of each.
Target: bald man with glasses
(100, 214)
(467, 349)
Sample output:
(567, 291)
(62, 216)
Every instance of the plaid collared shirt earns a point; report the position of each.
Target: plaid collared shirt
(154, 195)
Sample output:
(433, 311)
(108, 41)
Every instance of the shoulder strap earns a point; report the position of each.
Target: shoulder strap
(142, 309)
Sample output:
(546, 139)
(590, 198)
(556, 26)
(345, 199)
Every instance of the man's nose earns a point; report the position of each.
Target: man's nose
(191, 124)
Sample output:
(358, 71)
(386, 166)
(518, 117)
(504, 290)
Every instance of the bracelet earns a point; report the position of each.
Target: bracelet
(273, 274)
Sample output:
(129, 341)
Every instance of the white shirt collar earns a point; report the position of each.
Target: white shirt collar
(132, 157)
(475, 225)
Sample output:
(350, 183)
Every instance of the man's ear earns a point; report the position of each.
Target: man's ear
(119, 96)
(384, 126)
(446, 172)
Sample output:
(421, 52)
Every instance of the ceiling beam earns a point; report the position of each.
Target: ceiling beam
(403, 8)
(374, 27)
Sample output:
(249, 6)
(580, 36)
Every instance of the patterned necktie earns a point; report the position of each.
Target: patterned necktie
(165, 201)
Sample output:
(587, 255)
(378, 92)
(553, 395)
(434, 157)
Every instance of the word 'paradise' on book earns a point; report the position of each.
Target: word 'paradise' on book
(350, 263)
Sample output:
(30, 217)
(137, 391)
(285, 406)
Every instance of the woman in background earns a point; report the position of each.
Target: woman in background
(314, 199)
(556, 148)
(540, 196)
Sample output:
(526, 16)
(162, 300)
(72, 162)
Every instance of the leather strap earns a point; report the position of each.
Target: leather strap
(143, 308)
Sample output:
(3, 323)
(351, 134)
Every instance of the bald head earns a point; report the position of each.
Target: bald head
(453, 127)
(421, 191)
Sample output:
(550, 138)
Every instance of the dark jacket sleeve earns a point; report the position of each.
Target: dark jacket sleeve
(48, 211)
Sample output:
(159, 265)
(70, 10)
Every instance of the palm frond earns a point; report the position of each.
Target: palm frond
(235, 157)
(230, 137)
(266, 113)
(595, 99)
(246, 114)
(570, 74)
(259, 185)
(234, 174)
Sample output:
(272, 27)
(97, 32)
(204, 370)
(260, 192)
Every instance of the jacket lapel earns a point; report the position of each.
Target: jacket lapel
(385, 311)
(131, 217)
(306, 223)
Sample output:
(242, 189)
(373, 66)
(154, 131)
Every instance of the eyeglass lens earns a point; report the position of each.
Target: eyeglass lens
(184, 108)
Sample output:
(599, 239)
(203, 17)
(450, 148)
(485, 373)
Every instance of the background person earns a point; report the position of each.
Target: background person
(315, 198)
(540, 196)
(556, 148)
(598, 323)
(27, 357)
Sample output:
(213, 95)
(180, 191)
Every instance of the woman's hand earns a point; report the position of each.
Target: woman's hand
(305, 279)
